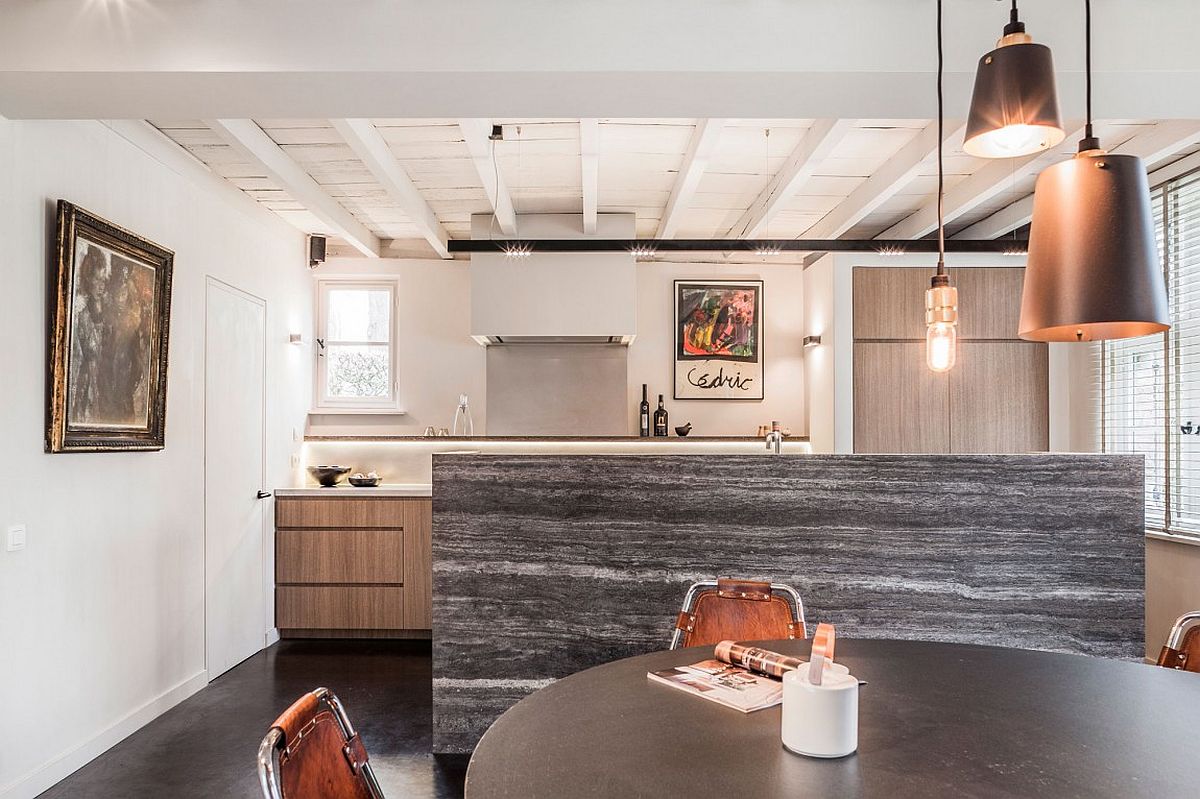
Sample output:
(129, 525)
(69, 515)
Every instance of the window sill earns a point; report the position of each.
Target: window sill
(1189, 540)
(357, 412)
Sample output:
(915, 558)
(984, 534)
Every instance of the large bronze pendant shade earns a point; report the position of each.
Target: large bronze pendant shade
(1014, 108)
(1093, 271)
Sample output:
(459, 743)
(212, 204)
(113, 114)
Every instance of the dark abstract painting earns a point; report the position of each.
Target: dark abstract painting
(111, 317)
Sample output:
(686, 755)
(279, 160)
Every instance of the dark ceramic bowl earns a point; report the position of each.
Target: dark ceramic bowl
(683, 430)
(364, 482)
(328, 475)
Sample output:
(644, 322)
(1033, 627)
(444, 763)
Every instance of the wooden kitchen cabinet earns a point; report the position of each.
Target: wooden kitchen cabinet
(353, 566)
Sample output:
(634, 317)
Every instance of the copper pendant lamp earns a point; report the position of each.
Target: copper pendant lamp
(1014, 108)
(1093, 271)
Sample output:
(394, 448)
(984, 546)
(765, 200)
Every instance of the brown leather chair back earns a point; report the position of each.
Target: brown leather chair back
(1182, 650)
(312, 751)
(740, 610)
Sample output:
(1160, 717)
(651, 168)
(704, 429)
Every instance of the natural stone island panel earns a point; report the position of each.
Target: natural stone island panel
(545, 565)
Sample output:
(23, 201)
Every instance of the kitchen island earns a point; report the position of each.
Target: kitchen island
(548, 564)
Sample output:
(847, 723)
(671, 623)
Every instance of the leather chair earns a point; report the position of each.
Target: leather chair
(741, 610)
(312, 751)
(1182, 650)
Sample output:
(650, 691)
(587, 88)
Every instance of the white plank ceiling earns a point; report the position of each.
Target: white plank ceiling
(637, 166)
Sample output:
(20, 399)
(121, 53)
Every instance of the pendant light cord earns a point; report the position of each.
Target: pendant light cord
(941, 265)
(1087, 32)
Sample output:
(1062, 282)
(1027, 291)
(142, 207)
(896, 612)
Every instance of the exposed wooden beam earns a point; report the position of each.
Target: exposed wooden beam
(814, 148)
(589, 157)
(1163, 141)
(976, 189)
(254, 144)
(1006, 220)
(371, 148)
(695, 162)
(180, 160)
(900, 170)
(475, 134)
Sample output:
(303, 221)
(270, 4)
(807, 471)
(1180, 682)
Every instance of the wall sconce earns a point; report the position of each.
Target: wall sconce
(295, 338)
(812, 341)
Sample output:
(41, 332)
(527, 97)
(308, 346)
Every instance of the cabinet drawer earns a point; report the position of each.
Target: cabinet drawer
(339, 607)
(338, 512)
(339, 556)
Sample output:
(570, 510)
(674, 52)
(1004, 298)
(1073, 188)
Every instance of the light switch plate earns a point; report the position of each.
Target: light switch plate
(16, 537)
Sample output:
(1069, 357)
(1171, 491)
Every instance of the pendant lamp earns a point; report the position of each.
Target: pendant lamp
(1014, 108)
(941, 299)
(1093, 271)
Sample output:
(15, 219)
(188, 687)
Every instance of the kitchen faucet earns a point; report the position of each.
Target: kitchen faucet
(775, 438)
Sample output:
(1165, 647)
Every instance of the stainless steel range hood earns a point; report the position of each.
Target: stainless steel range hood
(555, 298)
(513, 341)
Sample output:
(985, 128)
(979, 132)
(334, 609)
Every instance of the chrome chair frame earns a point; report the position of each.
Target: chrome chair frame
(689, 601)
(273, 743)
(1181, 626)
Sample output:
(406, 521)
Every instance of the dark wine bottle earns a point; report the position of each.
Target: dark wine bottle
(660, 419)
(644, 415)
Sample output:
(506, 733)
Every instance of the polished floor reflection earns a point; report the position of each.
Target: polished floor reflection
(205, 747)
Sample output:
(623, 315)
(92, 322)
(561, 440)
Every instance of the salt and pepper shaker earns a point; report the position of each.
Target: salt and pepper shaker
(820, 704)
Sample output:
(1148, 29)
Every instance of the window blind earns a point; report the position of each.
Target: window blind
(1150, 386)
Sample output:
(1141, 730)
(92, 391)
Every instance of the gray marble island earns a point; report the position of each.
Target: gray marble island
(547, 564)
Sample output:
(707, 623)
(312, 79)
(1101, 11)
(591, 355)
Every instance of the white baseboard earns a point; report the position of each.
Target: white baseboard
(66, 763)
(272, 636)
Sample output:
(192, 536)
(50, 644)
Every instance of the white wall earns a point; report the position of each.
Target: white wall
(651, 360)
(438, 358)
(102, 616)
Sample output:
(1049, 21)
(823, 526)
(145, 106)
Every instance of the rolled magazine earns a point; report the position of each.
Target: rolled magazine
(756, 659)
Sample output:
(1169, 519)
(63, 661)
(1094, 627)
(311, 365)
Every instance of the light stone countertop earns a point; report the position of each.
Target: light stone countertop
(347, 490)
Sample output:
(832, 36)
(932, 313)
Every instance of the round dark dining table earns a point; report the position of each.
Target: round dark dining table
(935, 719)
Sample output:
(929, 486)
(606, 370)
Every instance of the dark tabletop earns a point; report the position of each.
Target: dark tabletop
(935, 720)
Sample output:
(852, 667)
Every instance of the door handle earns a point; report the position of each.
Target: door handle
(263, 494)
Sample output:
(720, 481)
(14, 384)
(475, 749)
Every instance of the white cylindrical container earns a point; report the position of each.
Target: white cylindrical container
(820, 720)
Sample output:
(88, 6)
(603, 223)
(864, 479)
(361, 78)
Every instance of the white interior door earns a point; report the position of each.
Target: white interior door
(234, 533)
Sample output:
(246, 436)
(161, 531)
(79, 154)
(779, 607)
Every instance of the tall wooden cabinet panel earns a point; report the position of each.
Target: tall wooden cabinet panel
(999, 392)
(994, 400)
(889, 302)
(353, 566)
(899, 405)
(989, 302)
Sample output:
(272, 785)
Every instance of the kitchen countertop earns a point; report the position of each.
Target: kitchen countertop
(673, 439)
(346, 490)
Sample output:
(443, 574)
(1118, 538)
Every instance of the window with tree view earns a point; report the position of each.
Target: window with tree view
(1150, 386)
(356, 364)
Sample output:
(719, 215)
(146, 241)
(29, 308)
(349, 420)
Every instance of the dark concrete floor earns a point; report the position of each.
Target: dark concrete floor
(206, 746)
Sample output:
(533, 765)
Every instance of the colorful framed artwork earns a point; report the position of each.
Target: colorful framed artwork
(110, 316)
(718, 340)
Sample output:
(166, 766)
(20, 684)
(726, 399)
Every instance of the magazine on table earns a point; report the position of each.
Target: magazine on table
(723, 683)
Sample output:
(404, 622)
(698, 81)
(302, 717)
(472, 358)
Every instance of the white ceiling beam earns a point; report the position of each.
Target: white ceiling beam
(814, 148)
(371, 148)
(245, 136)
(181, 161)
(899, 170)
(475, 134)
(695, 162)
(993, 178)
(589, 157)
(1163, 141)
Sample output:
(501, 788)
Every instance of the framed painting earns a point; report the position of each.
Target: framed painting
(718, 340)
(110, 315)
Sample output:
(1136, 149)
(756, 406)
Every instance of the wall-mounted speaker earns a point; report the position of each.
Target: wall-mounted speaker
(316, 251)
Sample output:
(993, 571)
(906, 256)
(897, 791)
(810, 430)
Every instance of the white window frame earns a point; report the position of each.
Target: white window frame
(322, 402)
